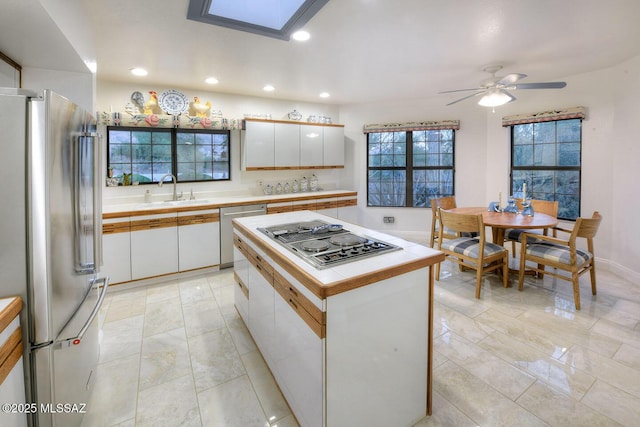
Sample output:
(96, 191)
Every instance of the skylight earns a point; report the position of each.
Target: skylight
(273, 18)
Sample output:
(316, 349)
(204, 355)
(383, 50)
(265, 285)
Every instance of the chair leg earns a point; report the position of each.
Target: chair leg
(576, 289)
(478, 280)
(541, 272)
(593, 278)
(513, 248)
(438, 271)
(505, 270)
(523, 263)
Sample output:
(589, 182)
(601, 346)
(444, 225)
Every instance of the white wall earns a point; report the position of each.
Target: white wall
(113, 96)
(609, 156)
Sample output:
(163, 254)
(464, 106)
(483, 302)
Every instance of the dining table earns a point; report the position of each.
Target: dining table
(501, 221)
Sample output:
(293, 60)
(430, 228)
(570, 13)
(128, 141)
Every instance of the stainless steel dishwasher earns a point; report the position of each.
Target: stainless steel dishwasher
(226, 228)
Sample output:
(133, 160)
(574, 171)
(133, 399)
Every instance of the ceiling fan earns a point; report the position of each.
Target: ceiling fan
(494, 89)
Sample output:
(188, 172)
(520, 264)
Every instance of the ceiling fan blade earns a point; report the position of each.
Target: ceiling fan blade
(547, 85)
(466, 97)
(462, 90)
(510, 79)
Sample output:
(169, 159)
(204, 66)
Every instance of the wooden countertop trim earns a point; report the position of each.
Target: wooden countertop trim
(322, 290)
(149, 224)
(198, 219)
(10, 312)
(294, 122)
(302, 196)
(14, 354)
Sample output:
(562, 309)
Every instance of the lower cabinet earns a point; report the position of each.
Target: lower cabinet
(154, 246)
(198, 239)
(116, 250)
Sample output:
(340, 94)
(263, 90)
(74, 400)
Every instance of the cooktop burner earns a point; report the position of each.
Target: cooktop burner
(322, 244)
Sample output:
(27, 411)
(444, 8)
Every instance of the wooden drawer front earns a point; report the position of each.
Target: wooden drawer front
(305, 206)
(260, 264)
(326, 204)
(279, 209)
(347, 202)
(307, 311)
(116, 227)
(198, 219)
(149, 224)
(241, 285)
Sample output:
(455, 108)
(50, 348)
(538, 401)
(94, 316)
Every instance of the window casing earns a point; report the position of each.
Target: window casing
(407, 168)
(547, 156)
(191, 155)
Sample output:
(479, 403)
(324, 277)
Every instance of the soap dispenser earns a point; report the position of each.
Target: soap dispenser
(147, 196)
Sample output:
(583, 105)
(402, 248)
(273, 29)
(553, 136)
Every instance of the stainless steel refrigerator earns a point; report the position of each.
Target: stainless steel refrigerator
(50, 205)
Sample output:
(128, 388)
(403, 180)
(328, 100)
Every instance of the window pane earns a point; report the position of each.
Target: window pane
(523, 155)
(162, 153)
(569, 154)
(141, 137)
(523, 134)
(569, 130)
(141, 153)
(186, 153)
(544, 155)
(185, 139)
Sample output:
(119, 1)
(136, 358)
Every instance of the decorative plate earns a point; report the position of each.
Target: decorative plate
(173, 102)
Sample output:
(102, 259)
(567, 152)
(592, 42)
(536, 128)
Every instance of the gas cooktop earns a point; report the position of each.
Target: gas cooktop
(323, 245)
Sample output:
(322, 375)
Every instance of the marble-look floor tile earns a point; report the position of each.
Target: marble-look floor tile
(173, 403)
(163, 316)
(445, 414)
(202, 316)
(460, 324)
(273, 403)
(121, 338)
(232, 404)
(114, 396)
(163, 291)
(621, 334)
(126, 304)
(614, 403)
(241, 337)
(567, 379)
(225, 297)
(289, 421)
(628, 355)
(164, 357)
(558, 409)
(478, 400)
(194, 289)
(608, 370)
(509, 379)
(214, 359)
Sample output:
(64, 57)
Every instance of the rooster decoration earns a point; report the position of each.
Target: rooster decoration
(202, 110)
(148, 107)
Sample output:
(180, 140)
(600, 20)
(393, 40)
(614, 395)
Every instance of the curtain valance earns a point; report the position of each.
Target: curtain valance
(545, 116)
(408, 126)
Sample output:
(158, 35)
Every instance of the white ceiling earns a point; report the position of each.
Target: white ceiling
(361, 50)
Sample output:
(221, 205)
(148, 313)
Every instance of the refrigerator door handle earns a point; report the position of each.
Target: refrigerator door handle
(97, 200)
(78, 338)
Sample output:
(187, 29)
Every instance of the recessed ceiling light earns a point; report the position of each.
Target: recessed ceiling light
(139, 72)
(301, 36)
(268, 88)
(324, 95)
(211, 80)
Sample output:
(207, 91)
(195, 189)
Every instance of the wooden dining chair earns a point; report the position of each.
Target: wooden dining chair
(437, 203)
(470, 252)
(542, 206)
(563, 255)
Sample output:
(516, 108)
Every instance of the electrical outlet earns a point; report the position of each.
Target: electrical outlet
(260, 182)
(388, 219)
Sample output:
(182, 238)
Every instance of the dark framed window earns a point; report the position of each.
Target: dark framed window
(191, 155)
(547, 156)
(406, 169)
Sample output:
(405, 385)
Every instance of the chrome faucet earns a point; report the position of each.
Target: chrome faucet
(175, 194)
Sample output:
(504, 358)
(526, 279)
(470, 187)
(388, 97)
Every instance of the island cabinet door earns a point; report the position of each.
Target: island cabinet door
(261, 309)
(298, 358)
(241, 277)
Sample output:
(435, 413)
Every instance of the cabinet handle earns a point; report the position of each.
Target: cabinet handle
(293, 291)
(293, 304)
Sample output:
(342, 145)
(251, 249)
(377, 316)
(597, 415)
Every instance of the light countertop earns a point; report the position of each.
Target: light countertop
(340, 278)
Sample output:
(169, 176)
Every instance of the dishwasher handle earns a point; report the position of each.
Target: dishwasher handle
(244, 212)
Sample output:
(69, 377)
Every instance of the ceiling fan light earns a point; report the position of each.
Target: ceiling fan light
(495, 98)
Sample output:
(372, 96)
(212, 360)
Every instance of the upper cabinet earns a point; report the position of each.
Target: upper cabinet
(278, 145)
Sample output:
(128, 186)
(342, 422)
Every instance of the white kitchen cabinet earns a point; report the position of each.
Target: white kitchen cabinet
(154, 245)
(287, 146)
(333, 146)
(311, 146)
(198, 239)
(258, 145)
(116, 249)
(348, 208)
(261, 302)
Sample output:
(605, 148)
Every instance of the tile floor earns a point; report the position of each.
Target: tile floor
(177, 354)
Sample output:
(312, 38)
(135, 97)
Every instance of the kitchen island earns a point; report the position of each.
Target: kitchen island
(349, 344)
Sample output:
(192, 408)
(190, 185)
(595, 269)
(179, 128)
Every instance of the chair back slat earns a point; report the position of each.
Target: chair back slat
(587, 227)
(442, 202)
(461, 222)
(547, 207)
